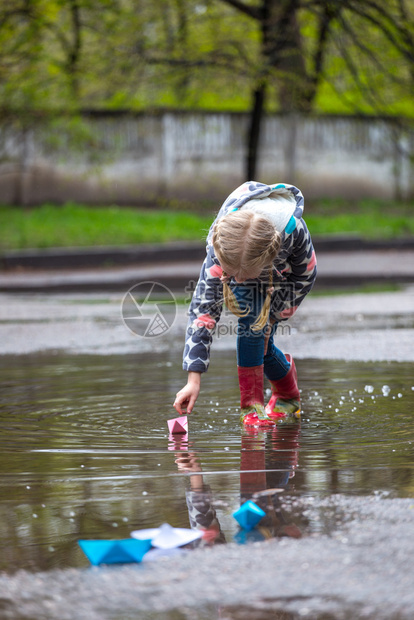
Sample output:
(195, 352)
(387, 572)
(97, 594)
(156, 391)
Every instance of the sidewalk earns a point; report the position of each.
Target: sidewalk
(340, 264)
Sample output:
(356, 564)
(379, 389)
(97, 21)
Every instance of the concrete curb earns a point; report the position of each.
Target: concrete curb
(335, 271)
(80, 258)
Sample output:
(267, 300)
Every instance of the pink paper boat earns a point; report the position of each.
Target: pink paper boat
(178, 425)
(178, 442)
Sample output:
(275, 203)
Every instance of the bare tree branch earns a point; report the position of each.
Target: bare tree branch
(251, 11)
(355, 73)
(241, 52)
(403, 10)
(370, 54)
(329, 14)
(75, 48)
(358, 8)
(14, 13)
(221, 63)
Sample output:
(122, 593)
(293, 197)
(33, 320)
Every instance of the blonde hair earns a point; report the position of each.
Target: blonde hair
(246, 242)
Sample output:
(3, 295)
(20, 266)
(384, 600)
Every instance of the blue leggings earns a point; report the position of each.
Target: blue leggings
(250, 344)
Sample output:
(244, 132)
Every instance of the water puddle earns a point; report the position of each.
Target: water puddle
(86, 451)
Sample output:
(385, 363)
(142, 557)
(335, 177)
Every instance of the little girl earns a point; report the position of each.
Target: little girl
(261, 262)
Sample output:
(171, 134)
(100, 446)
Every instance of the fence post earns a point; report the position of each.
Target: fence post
(168, 151)
(22, 166)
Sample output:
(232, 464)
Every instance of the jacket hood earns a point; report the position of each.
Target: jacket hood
(252, 190)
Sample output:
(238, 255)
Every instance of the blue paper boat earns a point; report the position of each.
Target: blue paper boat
(243, 537)
(114, 551)
(249, 515)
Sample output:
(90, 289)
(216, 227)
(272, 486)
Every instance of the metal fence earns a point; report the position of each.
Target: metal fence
(145, 159)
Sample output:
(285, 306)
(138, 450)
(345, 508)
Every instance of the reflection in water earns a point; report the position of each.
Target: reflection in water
(85, 450)
(267, 461)
(199, 497)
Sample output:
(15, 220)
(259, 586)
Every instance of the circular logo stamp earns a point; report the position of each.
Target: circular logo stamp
(148, 309)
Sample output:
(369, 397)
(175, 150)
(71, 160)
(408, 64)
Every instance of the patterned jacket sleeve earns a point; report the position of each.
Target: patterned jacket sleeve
(204, 312)
(203, 516)
(200, 508)
(296, 273)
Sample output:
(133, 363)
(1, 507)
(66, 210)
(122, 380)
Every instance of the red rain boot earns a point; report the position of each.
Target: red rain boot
(252, 397)
(285, 397)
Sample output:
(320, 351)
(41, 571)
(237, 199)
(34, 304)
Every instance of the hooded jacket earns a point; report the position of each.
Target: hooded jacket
(294, 268)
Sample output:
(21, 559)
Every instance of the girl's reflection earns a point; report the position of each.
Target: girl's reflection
(268, 461)
(199, 497)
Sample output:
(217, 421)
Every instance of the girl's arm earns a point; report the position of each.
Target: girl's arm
(203, 314)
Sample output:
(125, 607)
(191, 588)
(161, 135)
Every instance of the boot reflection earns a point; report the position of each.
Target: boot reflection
(268, 462)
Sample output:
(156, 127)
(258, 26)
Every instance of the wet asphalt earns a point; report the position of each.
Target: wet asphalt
(364, 569)
(350, 326)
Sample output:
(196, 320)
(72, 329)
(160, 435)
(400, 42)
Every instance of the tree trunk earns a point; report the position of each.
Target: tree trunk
(256, 118)
(281, 51)
(75, 51)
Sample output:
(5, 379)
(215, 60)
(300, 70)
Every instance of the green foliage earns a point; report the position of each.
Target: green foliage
(141, 54)
(359, 79)
(77, 225)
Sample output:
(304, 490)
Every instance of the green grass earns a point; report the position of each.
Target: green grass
(369, 219)
(75, 225)
(355, 290)
(363, 225)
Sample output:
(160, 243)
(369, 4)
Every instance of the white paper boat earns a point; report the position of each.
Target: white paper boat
(167, 537)
(154, 555)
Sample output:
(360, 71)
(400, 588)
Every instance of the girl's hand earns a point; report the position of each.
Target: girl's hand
(186, 398)
(187, 461)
